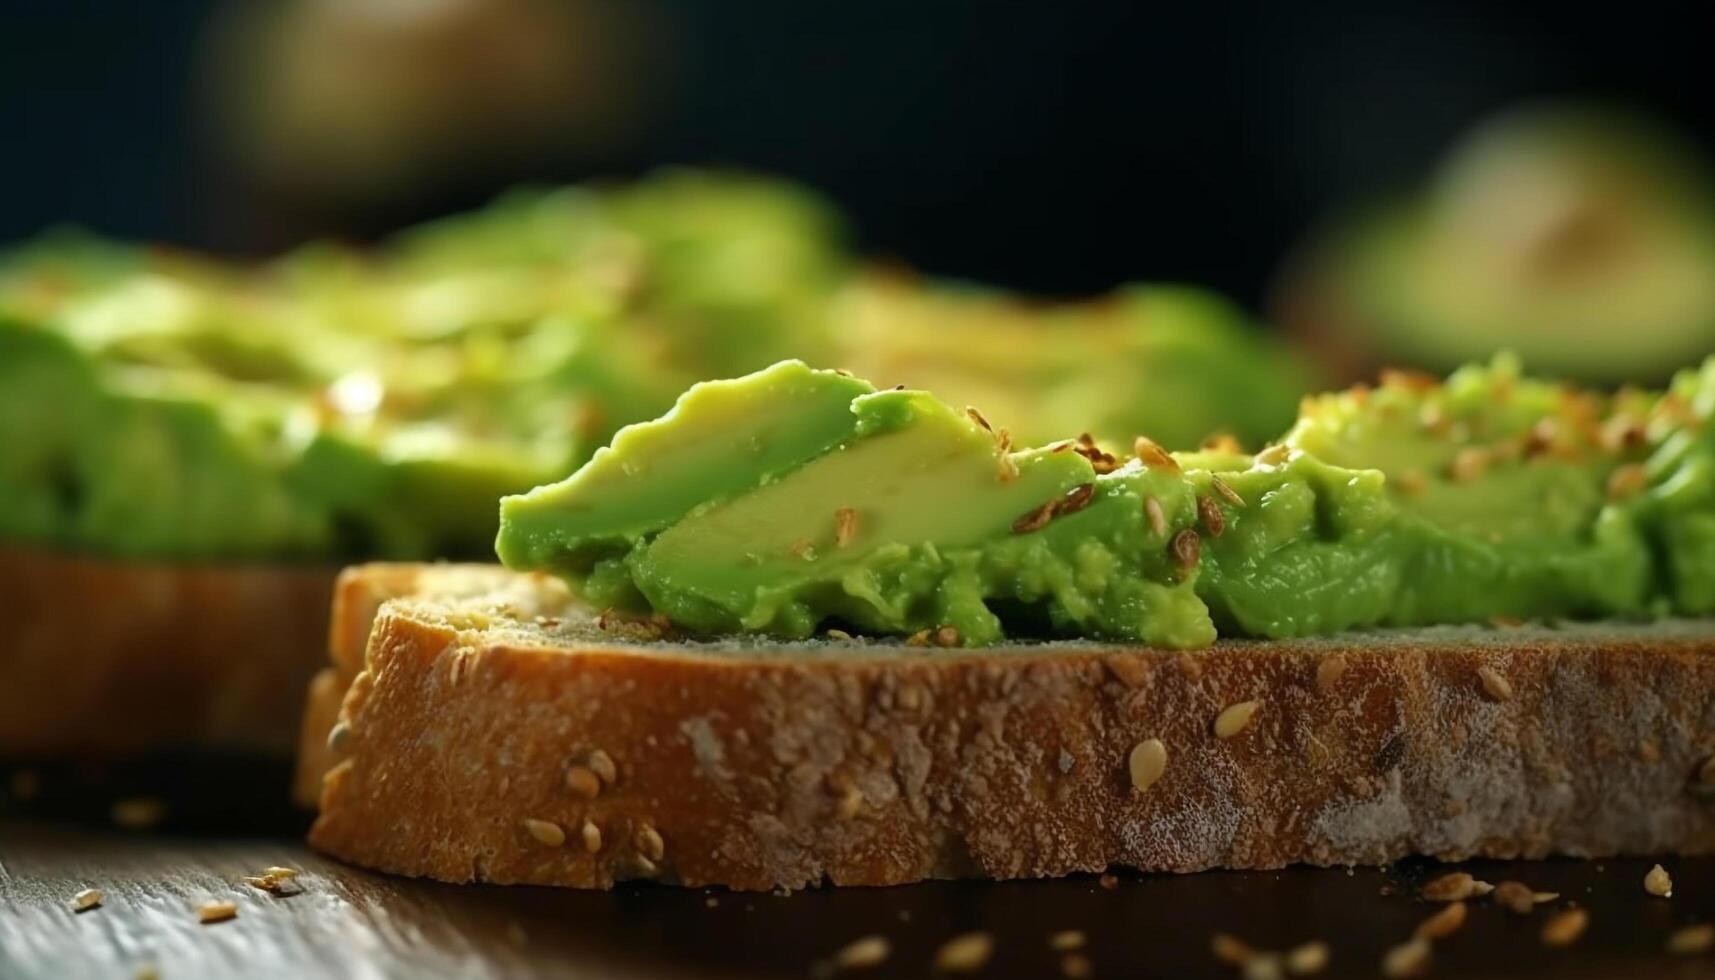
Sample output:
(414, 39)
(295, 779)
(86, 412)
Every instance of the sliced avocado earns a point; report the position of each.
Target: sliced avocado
(1580, 237)
(1412, 503)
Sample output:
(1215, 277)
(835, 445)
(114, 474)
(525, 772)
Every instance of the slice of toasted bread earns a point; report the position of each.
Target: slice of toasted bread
(103, 657)
(509, 737)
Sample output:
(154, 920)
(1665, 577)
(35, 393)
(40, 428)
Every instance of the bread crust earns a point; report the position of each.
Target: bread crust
(105, 658)
(754, 768)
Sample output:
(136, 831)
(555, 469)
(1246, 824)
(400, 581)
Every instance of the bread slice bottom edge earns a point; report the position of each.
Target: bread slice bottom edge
(513, 741)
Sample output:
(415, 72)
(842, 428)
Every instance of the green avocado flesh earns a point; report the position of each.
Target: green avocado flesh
(338, 403)
(797, 499)
(1580, 238)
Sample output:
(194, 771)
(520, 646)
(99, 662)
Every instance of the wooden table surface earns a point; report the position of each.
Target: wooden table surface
(228, 818)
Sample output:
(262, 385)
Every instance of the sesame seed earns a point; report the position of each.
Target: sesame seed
(545, 831)
(1066, 939)
(1497, 687)
(1076, 499)
(1076, 966)
(650, 844)
(947, 636)
(1541, 897)
(1329, 670)
(86, 899)
(1210, 514)
(1692, 939)
(965, 954)
(1408, 959)
(1150, 453)
(1226, 490)
(1627, 481)
(851, 803)
(837, 634)
(866, 952)
(1411, 482)
(583, 781)
(1410, 380)
(1515, 896)
(1443, 923)
(1565, 928)
(845, 527)
(1157, 518)
(209, 913)
(977, 417)
(1186, 548)
(1234, 718)
(278, 872)
(1308, 958)
(1450, 888)
(1274, 455)
(1468, 464)
(602, 765)
(1658, 883)
(918, 639)
(1147, 762)
(1230, 949)
(138, 813)
(592, 837)
(1035, 520)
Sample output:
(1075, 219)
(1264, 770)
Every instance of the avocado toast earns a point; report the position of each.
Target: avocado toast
(194, 446)
(819, 632)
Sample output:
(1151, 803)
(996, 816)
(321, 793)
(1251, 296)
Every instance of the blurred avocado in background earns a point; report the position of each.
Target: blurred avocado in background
(1580, 236)
(376, 402)
(1176, 363)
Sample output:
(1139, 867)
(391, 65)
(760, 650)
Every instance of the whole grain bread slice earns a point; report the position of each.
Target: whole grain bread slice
(103, 657)
(507, 735)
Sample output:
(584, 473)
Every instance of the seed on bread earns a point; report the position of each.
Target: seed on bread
(947, 636)
(338, 737)
(1329, 670)
(650, 844)
(1658, 882)
(545, 831)
(1235, 718)
(86, 899)
(592, 836)
(1147, 762)
(583, 781)
(602, 765)
(1495, 685)
(965, 954)
(1186, 550)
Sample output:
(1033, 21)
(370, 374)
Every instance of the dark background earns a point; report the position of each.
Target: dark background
(1053, 147)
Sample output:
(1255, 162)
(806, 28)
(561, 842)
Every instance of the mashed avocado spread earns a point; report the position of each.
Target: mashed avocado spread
(797, 499)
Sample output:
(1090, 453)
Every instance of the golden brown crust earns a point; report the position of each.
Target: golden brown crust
(756, 768)
(104, 658)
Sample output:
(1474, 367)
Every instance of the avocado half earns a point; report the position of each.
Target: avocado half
(1581, 237)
